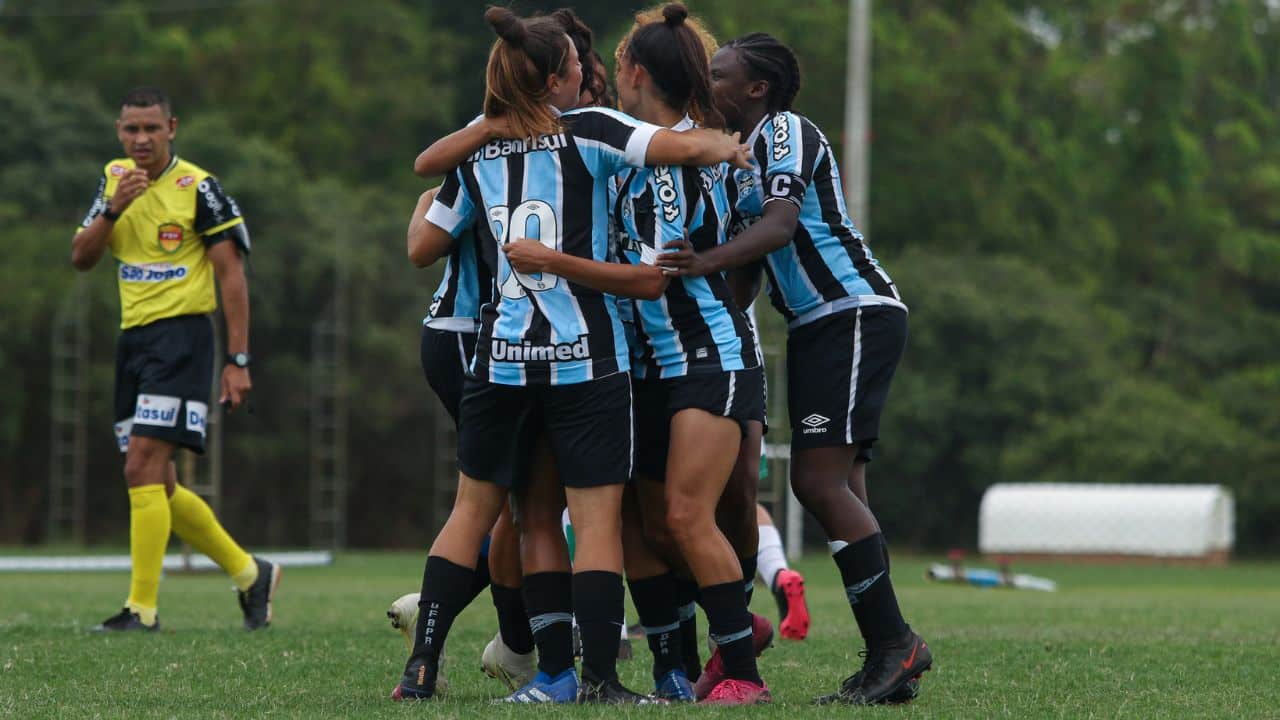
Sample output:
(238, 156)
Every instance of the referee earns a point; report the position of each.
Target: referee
(172, 230)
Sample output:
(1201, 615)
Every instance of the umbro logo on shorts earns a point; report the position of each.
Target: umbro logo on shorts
(814, 424)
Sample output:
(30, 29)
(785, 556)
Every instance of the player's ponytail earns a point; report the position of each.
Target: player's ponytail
(768, 59)
(525, 54)
(671, 47)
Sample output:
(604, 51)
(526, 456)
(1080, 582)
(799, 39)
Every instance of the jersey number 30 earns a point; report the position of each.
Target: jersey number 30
(533, 219)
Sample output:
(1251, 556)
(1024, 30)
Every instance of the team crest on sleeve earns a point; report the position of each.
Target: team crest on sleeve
(169, 235)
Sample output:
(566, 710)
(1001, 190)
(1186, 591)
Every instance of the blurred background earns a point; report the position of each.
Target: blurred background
(1079, 201)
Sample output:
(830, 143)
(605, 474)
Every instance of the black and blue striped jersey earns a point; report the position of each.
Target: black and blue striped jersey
(695, 326)
(541, 329)
(827, 267)
(466, 286)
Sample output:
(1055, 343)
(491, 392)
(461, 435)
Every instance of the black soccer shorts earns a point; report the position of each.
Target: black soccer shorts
(164, 374)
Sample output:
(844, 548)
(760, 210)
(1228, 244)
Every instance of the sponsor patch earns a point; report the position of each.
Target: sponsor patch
(170, 237)
(152, 273)
(781, 140)
(117, 171)
(157, 410)
(122, 429)
(185, 181)
(196, 414)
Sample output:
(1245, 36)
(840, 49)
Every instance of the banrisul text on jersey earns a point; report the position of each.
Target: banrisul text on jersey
(540, 328)
(827, 267)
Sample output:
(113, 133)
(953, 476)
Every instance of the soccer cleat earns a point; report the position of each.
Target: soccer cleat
(732, 691)
(889, 674)
(255, 602)
(123, 621)
(403, 614)
(713, 671)
(561, 689)
(612, 692)
(502, 663)
(675, 687)
(904, 694)
(788, 587)
(420, 678)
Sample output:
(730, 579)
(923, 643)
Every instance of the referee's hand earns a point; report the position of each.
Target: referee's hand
(235, 386)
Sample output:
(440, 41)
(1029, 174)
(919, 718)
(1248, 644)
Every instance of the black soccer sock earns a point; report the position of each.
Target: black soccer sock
(870, 593)
(479, 581)
(438, 604)
(655, 600)
(730, 624)
(686, 595)
(749, 565)
(548, 600)
(884, 547)
(598, 599)
(513, 622)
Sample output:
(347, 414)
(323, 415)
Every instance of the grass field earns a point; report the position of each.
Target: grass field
(1139, 642)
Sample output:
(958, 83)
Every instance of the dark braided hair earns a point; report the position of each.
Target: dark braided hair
(768, 59)
(673, 54)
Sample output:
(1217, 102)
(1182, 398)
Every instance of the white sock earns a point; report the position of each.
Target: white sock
(769, 556)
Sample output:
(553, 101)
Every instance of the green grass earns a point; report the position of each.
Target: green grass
(1137, 642)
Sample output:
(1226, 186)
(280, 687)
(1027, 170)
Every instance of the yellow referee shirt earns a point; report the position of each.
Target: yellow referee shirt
(159, 241)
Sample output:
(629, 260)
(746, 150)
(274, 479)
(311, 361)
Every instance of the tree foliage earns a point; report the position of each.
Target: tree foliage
(1078, 200)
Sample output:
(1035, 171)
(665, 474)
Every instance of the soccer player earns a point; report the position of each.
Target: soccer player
(697, 376)
(550, 354)
(448, 344)
(172, 230)
(786, 584)
(847, 330)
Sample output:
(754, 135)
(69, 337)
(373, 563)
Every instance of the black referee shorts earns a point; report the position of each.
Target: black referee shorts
(164, 375)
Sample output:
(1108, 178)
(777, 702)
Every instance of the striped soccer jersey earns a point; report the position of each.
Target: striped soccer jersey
(827, 267)
(542, 329)
(466, 286)
(695, 326)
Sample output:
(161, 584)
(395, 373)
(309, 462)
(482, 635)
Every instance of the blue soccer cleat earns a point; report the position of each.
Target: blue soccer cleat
(561, 689)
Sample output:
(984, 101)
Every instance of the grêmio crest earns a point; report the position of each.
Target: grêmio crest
(169, 235)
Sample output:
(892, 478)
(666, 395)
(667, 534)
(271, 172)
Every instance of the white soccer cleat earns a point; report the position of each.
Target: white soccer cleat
(404, 616)
(502, 663)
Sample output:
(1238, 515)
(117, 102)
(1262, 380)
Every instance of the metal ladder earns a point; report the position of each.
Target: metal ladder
(68, 412)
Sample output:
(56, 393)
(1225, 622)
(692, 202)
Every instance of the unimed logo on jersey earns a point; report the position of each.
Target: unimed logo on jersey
(185, 181)
(117, 171)
(526, 351)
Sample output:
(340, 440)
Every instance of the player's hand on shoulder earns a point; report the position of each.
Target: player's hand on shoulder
(498, 127)
(528, 256)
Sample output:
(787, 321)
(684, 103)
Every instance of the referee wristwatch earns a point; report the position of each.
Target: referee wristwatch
(240, 359)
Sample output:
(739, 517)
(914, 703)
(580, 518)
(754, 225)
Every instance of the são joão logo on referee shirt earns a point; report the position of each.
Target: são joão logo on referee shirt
(169, 235)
